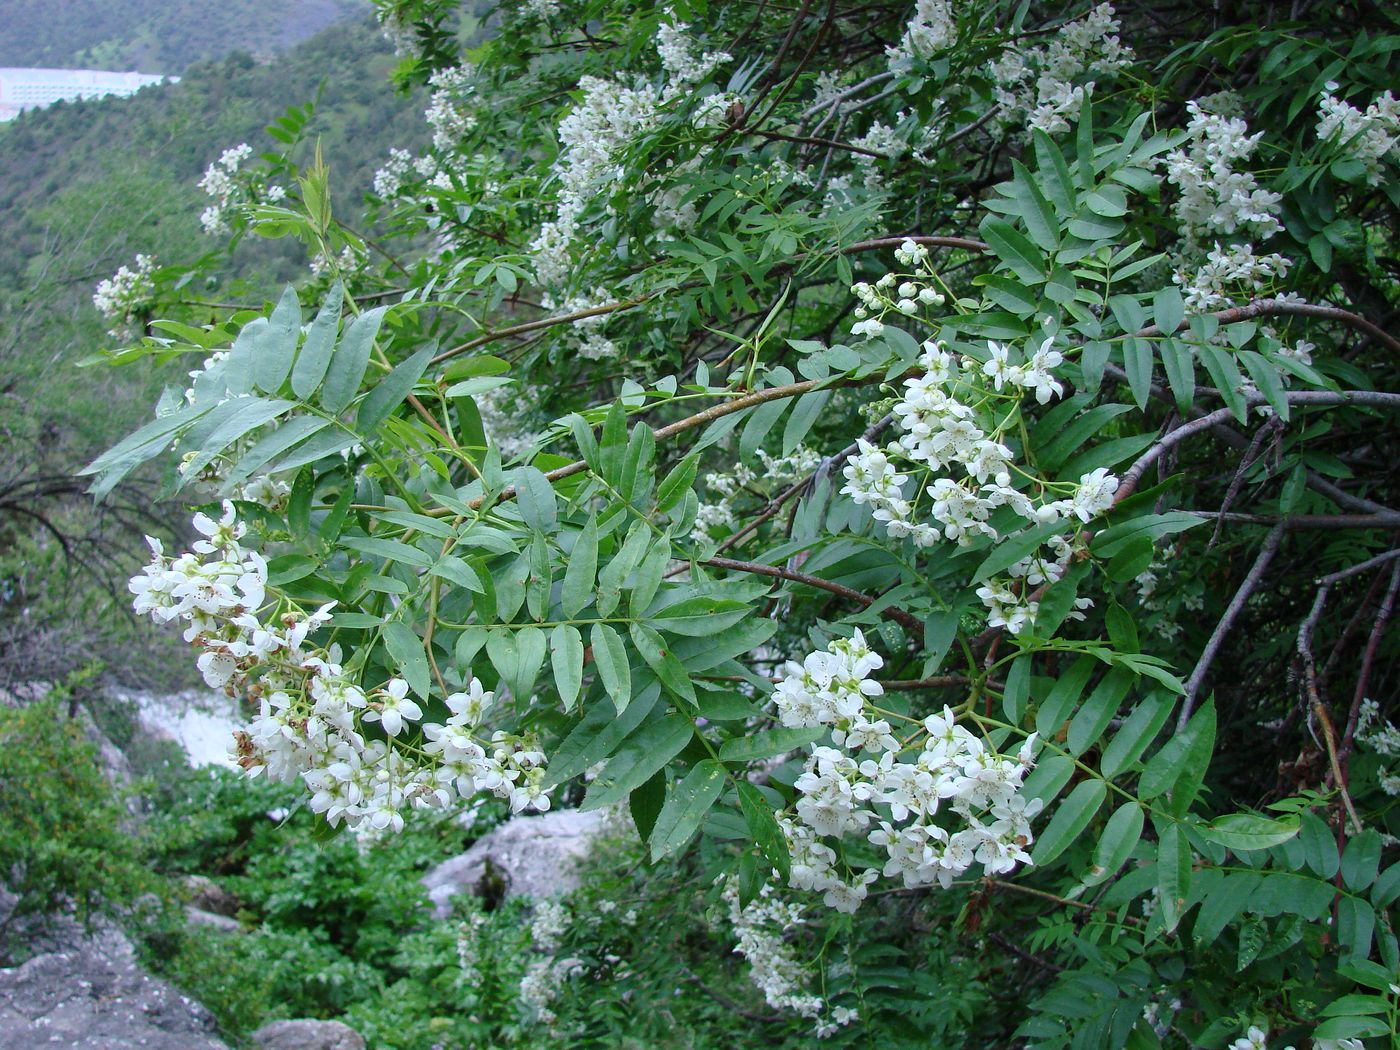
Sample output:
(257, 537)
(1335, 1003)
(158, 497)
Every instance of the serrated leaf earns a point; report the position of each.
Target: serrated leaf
(1120, 835)
(1015, 249)
(676, 484)
(1064, 695)
(763, 827)
(1361, 860)
(1248, 831)
(271, 445)
(393, 550)
(275, 343)
(389, 392)
(699, 617)
(1098, 710)
(1173, 874)
(1135, 734)
(535, 497)
(663, 663)
(234, 419)
(517, 656)
(1179, 767)
(641, 755)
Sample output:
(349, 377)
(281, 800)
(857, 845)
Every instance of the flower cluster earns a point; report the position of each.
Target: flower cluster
(312, 714)
(401, 168)
(930, 30)
(714, 111)
(1367, 136)
(884, 140)
(1227, 272)
(1382, 738)
(1045, 85)
(585, 335)
(715, 518)
(892, 796)
(500, 419)
(548, 924)
(678, 58)
(400, 34)
(608, 116)
(953, 421)
(761, 928)
(219, 183)
(1256, 1038)
(1216, 198)
(540, 985)
(121, 297)
(447, 113)
(605, 119)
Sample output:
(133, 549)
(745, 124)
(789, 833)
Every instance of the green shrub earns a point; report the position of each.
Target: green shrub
(63, 844)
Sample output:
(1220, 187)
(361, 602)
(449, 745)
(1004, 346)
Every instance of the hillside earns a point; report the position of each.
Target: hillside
(163, 36)
(84, 187)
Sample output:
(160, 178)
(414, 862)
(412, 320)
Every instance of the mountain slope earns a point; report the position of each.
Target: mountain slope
(158, 36)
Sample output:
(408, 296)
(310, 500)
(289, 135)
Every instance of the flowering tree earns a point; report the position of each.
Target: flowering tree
(928, 454)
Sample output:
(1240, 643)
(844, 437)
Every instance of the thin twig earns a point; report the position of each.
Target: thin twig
(899, 616)
(1314, 697)
(1363, 679)
(1232, 612)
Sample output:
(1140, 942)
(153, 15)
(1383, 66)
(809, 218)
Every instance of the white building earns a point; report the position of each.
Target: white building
(22, 89)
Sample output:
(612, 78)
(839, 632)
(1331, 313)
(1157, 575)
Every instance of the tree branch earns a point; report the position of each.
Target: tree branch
(899, 616)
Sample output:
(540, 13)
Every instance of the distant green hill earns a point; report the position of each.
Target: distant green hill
(84, 186)
(158, 36)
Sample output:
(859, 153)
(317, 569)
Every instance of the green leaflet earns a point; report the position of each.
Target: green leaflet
(686, 804)
(406, 650)
(315, 356)
(611, 657)
(566, 660)
(349, 361)
(389, 392)
(274, 344)
(640, 756)
(1070, 819)
(580, 571)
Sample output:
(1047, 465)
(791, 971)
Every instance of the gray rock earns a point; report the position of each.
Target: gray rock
(208, 895)
(94, 996)
(199, 917)
(308, 1035)
(533, 856)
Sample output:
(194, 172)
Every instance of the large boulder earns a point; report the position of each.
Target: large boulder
(307, 1035)
(534, 856)
(93, 995)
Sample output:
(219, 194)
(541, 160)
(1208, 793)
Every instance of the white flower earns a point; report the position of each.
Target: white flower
(1215, 197)
(1369, 137)
(1254, 1039)
(122, 296)
(1094, 495)
(394, 707)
